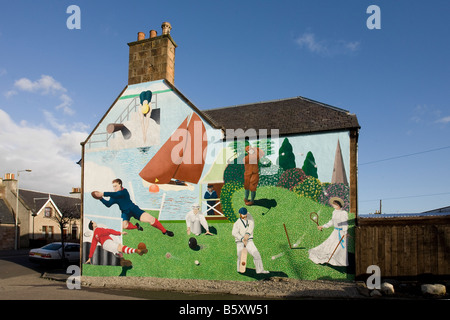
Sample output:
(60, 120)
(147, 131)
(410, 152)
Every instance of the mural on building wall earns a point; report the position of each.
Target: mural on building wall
(166, 196)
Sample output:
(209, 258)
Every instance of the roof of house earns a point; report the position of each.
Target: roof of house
(296, 115)
(403, 215)
(443, 209)
(36, 200)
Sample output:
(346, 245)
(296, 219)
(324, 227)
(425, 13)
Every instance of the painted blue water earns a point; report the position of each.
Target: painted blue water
(127, 163)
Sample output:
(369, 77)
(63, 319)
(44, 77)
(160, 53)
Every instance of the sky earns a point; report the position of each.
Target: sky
(56, 83)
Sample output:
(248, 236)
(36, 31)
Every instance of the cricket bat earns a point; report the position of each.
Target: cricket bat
(243, 260)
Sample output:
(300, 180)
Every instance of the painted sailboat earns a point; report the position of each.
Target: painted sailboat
(180, 159)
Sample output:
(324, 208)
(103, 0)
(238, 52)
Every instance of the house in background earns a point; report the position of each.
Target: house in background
(39, 215)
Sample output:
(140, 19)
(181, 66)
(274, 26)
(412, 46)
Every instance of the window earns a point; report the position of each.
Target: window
(48, 212)
(74, 232)
(52, 246)
(72, 248)
(47, 232)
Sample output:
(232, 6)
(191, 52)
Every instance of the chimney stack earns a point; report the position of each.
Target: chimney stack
(152, 58)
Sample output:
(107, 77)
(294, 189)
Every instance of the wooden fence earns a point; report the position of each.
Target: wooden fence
(404, 246)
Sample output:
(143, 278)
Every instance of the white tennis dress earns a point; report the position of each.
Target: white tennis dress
(324, 251)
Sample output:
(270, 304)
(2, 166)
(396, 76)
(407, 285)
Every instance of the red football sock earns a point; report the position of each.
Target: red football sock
(130, 226)
(128, 250)
(159, 226)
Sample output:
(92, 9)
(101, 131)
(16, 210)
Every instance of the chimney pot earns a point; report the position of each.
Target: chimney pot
(166, 27)
(153, 33)
(9, 176)
(141, 36)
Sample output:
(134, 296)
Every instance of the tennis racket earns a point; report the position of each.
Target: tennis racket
(315, 218)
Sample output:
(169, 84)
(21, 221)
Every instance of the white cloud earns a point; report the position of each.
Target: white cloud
(62, 127)
(325, 47)
(444, 120)
(54, 123)
(424, 114)
(309, 41)
(10, 93)
(65, 104)
(352, 46)
(51, 156)
(45, 85)
(100, 177)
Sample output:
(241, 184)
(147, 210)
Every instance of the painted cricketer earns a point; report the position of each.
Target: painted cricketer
(243, 234)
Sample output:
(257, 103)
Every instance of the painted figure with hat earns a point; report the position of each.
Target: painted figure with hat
(334, 249)
(210, 194)
(251, 173)
(195, 220)
(243, 235)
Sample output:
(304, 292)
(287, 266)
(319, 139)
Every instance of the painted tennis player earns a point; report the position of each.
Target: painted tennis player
(334, 249)
(121, 197)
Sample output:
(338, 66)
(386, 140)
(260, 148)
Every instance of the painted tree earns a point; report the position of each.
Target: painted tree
(265, 145)
(238, 147)
(286, 158)
(309, 165)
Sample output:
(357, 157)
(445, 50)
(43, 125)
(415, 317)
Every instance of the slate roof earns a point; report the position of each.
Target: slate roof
(36, 200)
(444, 209)
(296, 115)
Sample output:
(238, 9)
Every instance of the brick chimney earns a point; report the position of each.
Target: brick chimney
(152, 58)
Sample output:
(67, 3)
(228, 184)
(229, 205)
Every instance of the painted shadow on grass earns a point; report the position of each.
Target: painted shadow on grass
(124, 271)
(349, 270)
(266, 203)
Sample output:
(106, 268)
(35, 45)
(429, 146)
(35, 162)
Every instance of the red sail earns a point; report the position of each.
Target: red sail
(181, 157)
(191, 167)
(160, 169)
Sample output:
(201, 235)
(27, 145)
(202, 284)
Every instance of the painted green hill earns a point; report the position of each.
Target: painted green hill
(172, 257)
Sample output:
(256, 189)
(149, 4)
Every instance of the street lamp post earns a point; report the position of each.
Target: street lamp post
(16, 244)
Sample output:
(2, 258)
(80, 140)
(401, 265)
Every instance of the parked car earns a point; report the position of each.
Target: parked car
(52, 253)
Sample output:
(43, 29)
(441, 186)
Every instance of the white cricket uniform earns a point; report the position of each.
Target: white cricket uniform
(240, 229)
(195, 221)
